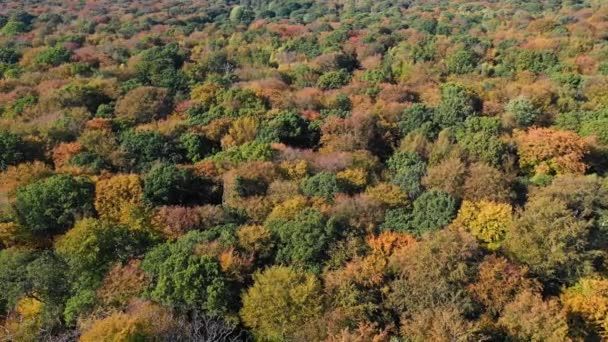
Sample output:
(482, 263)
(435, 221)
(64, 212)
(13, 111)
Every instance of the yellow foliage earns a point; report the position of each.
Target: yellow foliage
(242, 130)
(589, 298)
(388, 194)
(294, 169)
(8, 234)
(354, 177)
(145, 322)
(487, 221)
(25, 323)
(204, 92)
(288, 209)
(113, 196)
(255, 239)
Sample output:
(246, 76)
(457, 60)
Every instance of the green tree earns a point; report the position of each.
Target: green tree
(290, 128)
(166, 184)
(457, 104)
(431, 211)
(323, 184)
(89, 249)
(418, 118)
(523, 111)
(53, 56)
(461, 61)
(183, 278)
(303, 239)
(142, 149)
(407, 169)
(11, 150)
(51, 205)
(333, 79)
(479, 137)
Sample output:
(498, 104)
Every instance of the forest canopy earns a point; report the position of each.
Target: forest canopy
(387, 171)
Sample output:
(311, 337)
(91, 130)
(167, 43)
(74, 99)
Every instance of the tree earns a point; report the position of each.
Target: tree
(478, 136)
(549, 238)
(290, 128)
(280, 302)
(166, 184)
(487, 221)
(485, 182)
(448, 176)
(11, 150)
(433, 272)
(499, 282)
(143, 104)
(92, 245)
(530, 318)
(431, 211)
(160, 67)
(333, 79)
(114, 195)
(51, 205)
(461, 61)
(196, 146)
(548, 152)
(142, 149)
(457, 104)
(31, 276)
(407, 169)
(418, 117)
(587, 300)
(323, 184)
(522, 111)
(241, 15)
(184, 279)
(303, 239)
(144, 321)
(53, 56)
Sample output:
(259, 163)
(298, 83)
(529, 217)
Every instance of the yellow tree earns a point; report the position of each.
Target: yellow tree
(280, 302)
(487, 221)
(588, 298)
(117, 196)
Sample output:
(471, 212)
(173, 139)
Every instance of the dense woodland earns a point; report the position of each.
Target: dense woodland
(317, 170)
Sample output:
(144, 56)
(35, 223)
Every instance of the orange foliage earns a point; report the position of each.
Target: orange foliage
(548, 151)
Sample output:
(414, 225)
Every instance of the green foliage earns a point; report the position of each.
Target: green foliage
(523, 111)
(11, 150)
(323, 184)
(431, 211)
(53, 56)
(457, 104)
(184, 279)
(241, 15)
(461, 61)
(196, 146)
(160, 67)
(51, 205)
(304, 239)
(418, 118)
(333, 79)
(253, 151)
(407, 169)
(166, 184)
(142, 149)
(479, 137)
(291, 129)
(26, 274)
(9, 55)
